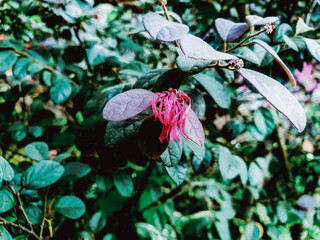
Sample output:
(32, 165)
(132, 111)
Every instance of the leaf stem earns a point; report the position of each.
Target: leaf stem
(44, 212)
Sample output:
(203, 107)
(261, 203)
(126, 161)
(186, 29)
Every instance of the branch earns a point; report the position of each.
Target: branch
(31, 232)
(21, 207)
(44, 212)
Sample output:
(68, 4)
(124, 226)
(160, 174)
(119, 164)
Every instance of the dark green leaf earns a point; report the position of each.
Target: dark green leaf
(97, 222)
(70, 206)
(76, 169)
(7, 59)
(34, 214)
(4, 234)
(217, 90)
(21, 67)
(264, 121)
(178, 173)
(60, 90)
(172, 154)
(252, 232)
(7, 200)
(123, 183)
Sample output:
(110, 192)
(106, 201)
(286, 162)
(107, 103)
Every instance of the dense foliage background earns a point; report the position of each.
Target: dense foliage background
(66, 173)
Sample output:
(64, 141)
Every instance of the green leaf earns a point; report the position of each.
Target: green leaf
(43, 174)
(313, 47)
(36, 131)
(97, 54)
(252, 232)
(123, 183)
(13, 44)
(290, 43)
(4, 234)
(190, 65)
(34, 214)
(283, 30)
(172, 154)
(60, 90)
(222, 227)
(147, 80)
(60, 157)
(7, 171)
(282, 213)
(133, 69)
(146, 230)
(264, 121)
(21, 67)
(7, 59)
(217, 90)
(70, 206)
(97, 222)
(35, 67)
(7, 200)
(302, 27)
(256, 175)
(76, 169)
(178, 173)
(247, 54)
(119, 131)
(37, 151)
(109, 236)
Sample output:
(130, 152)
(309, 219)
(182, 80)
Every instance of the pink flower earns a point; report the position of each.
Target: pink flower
(305, 77)
(171, 108)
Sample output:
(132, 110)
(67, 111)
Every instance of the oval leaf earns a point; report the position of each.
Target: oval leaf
(7, 59)
(307, 201)
(217, 90)
(254, 20)
(8, 173)
(270, 50)
(172, 155)
(313, 47)
(229, 30)
(76, 169)
(252, 232)
(127, 105)
(161, 29)
(194, 47)
(4, 234)
(123, 183)
(178, 173)
(70, 206)
(43, 174)
(97, 222)
(7, 200)
(278, 96)
(193, 129)
(37, 151)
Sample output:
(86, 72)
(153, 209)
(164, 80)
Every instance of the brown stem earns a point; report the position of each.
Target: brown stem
(31, 232)
(44, 212)
(21, 207)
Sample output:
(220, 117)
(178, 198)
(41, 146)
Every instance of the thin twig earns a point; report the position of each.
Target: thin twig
(5, 222)
(21, 207)
(44, 212)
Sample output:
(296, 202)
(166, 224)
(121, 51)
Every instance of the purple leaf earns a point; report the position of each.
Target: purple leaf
(254, 20)
(270, 50)
(229, 30)
(278, 96)
(127, 105)
(307, 201)
(161, 29)
(194, 47)
(193, 129)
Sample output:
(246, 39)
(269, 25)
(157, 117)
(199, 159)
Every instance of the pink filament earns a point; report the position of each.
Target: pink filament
(171, 108)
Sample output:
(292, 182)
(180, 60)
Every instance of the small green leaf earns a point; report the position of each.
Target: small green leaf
(76, 169)
(37, 151)
(43, 174)
(264, 121)
(35, 67)
(302, 27)
(97, 222)
(7, 59)
(255, 175)
(4, 234)
(21, 67)
(7, 200)
(252, 232)
(178, 173)
(8, 173)
(172, 154)
(123, 183)
(290, 43)
(34, 214)
(217, 90)
(70, 206)
(97, 54)
(313, 47)
(60, 90)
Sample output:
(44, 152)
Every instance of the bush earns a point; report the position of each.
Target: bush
(159, 120)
